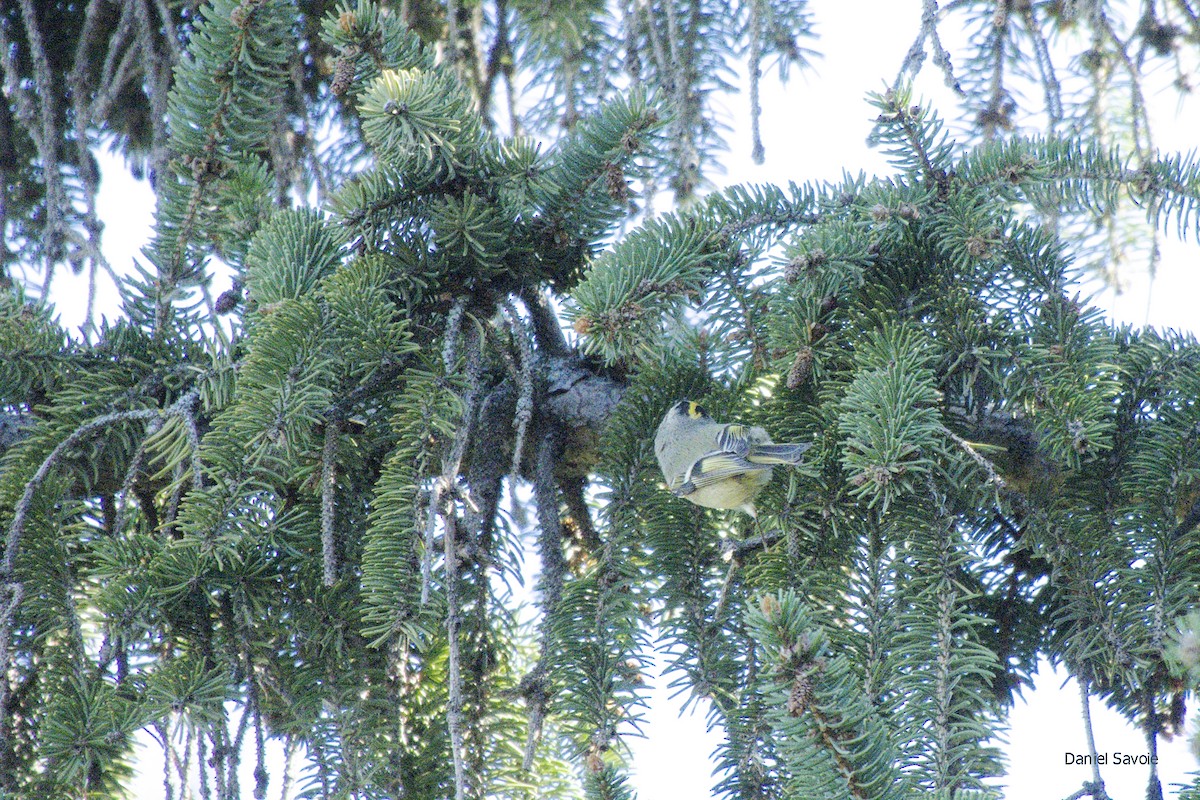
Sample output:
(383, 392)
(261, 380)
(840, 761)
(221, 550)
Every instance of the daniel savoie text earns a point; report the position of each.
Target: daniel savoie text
(1104, 759)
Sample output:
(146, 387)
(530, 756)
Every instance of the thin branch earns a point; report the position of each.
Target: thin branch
(661, 63)
(747, 306)
(135, 466)
(260, 745)
(941, 57)
(1151, 725)
(547, 330)
(173, 47)
(554, 567)
(185, 410)
(633, 56)
(994, 114)
(524, 410)
(390, 367)
(574, 491)
(329, 557)
(11, 589)
(164, 739)
(757, 151)
(1053, 90)
(158, 69)
(499, 60)
(985, 464)
(46, 140)
(426, 498)
(232, 752)
(738, 550)
(723, 597)
(122, 55)
(17, 526)
(452, 34)
(202, 759)
(15, 90)
(290, 746)
(451, 336)
(443, 500)
(1088, 790)
(913, 59)
(1142, 139)
(88, 176)
(454, 704)
(1097, 786)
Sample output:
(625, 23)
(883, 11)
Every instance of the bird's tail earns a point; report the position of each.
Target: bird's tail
(778, 453)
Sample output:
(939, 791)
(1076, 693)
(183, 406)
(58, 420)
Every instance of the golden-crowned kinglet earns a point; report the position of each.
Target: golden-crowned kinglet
(717, 465)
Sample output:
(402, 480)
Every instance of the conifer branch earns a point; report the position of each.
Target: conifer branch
(119, 62)
(1096, 788)
(757, 151)
(86, 171)
(170, 757)
(986, 465)
(498, 60)
(131, 473)
(172, 516)
(1050, 84)
(915, 56)
(452, 332)
(944, 296)
(996, 114)
(157, 67)
(329, 556)
(443, 500)
(390, 367)
(202, 758)
(261, 775)
(524, 409)
(1142, 140)
(425, 503)
(185, 409)
(723, 596)
(452, 55)
(1151, 727)
(737, 550)
(535, 687)
(11, 590)
(489, 465)
(547, 329)
(15, 89)
(17, 526)
(662, 64)
(454, 703)
(574, 489)
(941, 57)
(681, 42)
(1188, 523)
(45, 137)
(744, 299)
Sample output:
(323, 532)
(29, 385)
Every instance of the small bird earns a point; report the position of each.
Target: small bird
(717, 465)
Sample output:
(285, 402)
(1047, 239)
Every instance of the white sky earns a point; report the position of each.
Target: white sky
(814, 129)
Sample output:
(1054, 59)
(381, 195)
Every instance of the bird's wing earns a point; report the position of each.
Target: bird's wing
(713, 468)
(778, 453)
